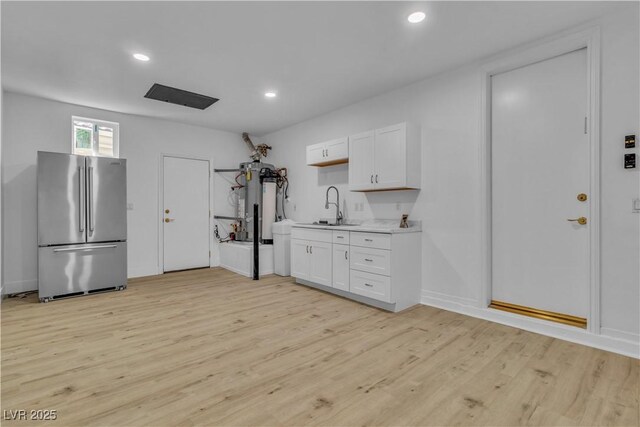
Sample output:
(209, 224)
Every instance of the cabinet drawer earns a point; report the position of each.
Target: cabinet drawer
(376, 261)
(311, 234)
(341, 237)
(370, 285)
(371, 240)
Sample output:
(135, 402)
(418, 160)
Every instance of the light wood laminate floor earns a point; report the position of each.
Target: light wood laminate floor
(209, 347)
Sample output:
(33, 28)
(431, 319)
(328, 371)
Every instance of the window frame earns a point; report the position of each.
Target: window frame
(95, 136)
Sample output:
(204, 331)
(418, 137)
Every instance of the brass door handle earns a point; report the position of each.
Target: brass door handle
(582, 220)
(168, 219)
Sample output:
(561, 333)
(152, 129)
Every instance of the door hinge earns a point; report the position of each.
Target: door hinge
(209, 254)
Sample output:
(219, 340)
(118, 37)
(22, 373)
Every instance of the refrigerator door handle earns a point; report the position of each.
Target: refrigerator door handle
(85, 248)
(90, 197)
(81, 178)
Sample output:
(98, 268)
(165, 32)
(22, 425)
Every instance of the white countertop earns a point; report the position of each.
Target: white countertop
(389, 226)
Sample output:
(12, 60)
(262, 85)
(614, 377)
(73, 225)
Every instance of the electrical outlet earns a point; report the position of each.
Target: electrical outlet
(630, 161)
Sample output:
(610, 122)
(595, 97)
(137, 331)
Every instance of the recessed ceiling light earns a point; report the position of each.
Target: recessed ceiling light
(270, 94)
(416, 17)
(141, 57)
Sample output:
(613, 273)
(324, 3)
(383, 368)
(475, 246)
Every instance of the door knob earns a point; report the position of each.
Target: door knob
(168, 219)
(582, 197)
(582, 220)
(166, 211)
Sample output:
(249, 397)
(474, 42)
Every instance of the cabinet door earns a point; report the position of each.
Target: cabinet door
(320, 269)
(300, 258)
(315, 154)
(337, 150)
(361, 154)
(390, 170)
(341, 267)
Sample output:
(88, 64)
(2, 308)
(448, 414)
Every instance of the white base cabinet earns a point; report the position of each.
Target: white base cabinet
(300, 259)
(340, 267)
(311, 256)
(320, 263)
(379, 269)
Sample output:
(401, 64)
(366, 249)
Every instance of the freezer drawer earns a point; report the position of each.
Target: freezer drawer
(78, 269)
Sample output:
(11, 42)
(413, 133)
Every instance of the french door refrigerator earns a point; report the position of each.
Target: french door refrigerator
(82, 225)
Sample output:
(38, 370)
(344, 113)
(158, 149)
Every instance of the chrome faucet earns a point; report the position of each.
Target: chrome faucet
(337, 203)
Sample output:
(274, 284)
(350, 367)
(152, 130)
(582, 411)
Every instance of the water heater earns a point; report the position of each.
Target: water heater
(253, 177)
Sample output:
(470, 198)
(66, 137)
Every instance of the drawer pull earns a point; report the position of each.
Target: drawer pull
(366, 284)
(368, 240)
(368, 260)
(345, 255)
(339, 237)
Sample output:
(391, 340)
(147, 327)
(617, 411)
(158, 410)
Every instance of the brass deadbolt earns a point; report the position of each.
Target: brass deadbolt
(166, 211)
(582, 197)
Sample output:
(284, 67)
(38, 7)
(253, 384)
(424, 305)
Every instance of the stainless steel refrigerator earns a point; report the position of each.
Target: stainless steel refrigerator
(82, 225)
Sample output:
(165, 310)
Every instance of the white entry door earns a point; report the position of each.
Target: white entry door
(185, 213)
(540, 170)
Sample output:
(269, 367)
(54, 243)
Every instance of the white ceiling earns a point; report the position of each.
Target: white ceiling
(318, 56)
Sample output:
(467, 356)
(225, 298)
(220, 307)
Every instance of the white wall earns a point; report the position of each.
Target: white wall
(33, 124)
(448, 109)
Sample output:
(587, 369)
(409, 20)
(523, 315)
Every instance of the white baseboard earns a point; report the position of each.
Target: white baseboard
(141, 272)
(20, 286)
(610, 340)
(620, 335)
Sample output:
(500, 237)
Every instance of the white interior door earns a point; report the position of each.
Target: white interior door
(540, 166)
(185, 213)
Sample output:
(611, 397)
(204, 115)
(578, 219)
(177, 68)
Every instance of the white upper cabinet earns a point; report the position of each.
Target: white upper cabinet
(385, 159)
(328, 153)
(361, 164)
(390, 163)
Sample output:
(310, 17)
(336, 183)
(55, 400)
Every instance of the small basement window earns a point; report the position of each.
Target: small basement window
(95, 137)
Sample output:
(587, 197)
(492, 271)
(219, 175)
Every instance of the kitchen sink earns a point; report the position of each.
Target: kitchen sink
(327, 225)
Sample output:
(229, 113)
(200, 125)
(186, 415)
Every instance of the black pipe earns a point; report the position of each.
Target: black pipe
(256, 248)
